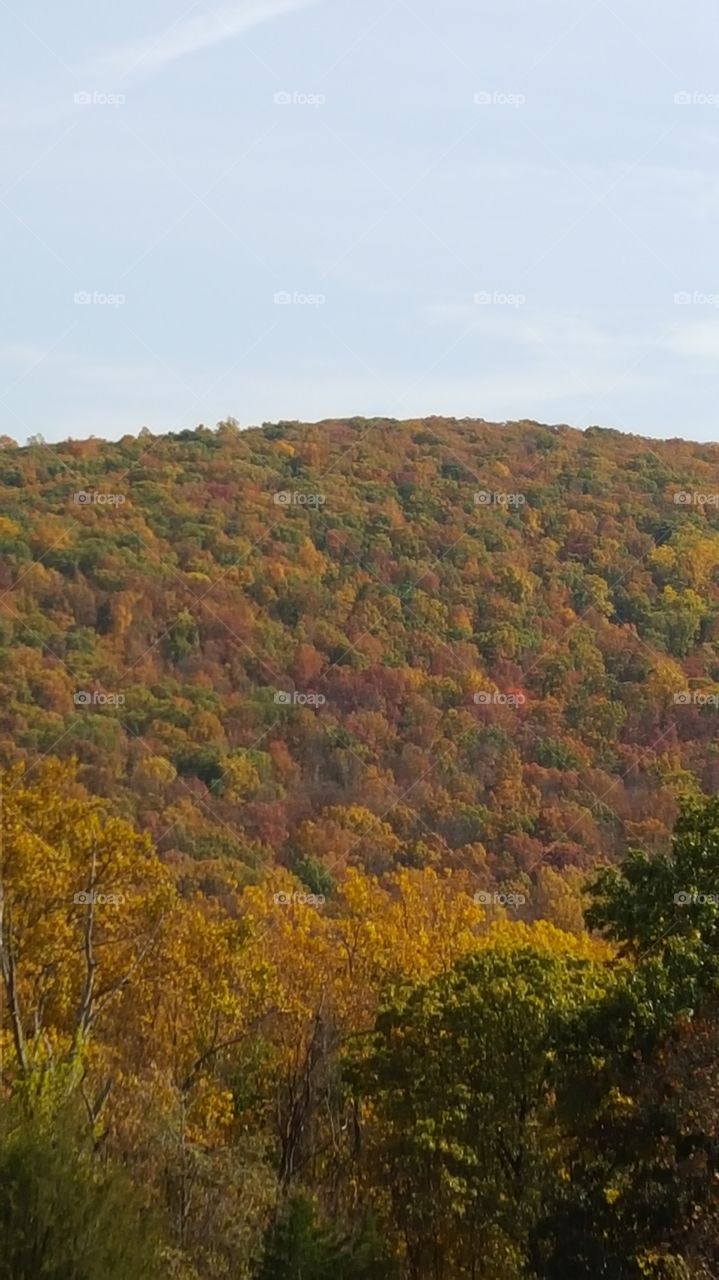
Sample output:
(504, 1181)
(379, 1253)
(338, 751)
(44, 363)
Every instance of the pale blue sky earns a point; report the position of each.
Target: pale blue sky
(477, 209)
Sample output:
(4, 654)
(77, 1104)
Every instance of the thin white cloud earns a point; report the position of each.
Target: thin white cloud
(208, 27)
(534, 327)
(574, 333)
(39, 108)
(699, 339)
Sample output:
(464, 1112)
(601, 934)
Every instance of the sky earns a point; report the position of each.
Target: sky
(307, 209)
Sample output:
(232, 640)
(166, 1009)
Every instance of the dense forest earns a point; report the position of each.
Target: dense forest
(373, 644)
(359, 872)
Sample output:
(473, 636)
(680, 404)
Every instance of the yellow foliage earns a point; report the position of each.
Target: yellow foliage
(548, 937)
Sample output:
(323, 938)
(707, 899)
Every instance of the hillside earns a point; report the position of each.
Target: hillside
(295, 979)
(368, 642)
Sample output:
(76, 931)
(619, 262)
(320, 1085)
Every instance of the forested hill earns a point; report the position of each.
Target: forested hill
(369, 642)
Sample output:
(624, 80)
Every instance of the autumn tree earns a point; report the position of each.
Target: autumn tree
(458, 1088)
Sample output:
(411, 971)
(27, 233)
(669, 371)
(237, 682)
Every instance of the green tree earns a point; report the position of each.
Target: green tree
(668, 904)
(63, 1214)
(458, 1090)
(298, 1248)
(639, 1097)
